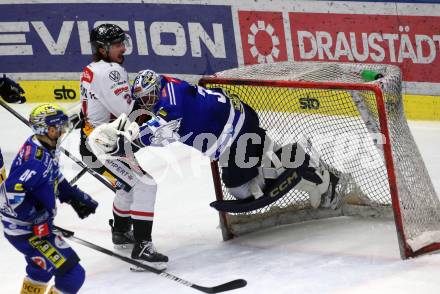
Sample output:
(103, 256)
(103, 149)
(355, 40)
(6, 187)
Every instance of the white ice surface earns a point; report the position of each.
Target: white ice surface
(341, 255)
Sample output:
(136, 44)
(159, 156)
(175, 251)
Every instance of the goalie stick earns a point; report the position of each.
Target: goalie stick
(67, 153)
(232, 285)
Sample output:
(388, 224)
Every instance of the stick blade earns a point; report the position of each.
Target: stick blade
(232, 285)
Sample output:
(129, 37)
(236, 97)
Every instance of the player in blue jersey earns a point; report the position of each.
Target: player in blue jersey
(28, 206)
(11, 92)
(225, 129)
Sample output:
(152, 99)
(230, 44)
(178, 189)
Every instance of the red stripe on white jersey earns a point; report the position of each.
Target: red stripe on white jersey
(133, 212)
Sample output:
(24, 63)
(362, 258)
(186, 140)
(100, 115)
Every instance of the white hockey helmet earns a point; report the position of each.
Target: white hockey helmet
(146, 88)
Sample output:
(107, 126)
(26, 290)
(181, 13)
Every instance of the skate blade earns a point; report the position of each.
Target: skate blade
(123, 246)
(161, 266)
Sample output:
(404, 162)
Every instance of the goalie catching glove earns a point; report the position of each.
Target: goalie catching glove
(116, 139)
(10, 91)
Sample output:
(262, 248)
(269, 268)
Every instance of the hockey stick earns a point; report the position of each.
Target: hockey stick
(67, 153)
(78, 176)
(232, 285)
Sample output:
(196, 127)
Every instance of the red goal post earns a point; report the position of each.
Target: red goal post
(316, 104)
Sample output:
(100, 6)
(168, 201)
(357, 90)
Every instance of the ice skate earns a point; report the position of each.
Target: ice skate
(146, 253)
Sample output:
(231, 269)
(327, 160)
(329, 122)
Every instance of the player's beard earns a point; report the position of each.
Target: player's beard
(109, 60)
(122, 59)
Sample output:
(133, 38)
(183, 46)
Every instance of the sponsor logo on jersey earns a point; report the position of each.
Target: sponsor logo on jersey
(162, 112)
(115, 76)
(120, 83)
(120, 90)
(164, 92)
(18, 187)
(87, 75)
(39, 153)
(27, 152)
(40, 261)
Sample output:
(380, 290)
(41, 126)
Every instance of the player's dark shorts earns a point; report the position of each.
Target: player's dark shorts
(48, 256)
(233, 175)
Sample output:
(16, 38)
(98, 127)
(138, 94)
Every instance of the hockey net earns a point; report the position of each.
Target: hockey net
(354, 126)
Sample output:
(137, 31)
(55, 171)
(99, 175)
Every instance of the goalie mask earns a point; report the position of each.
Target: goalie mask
(146, 88)
(48, 115)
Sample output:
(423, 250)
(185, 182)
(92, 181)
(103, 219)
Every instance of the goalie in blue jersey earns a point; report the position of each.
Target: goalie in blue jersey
(225, 129)
(28, 206)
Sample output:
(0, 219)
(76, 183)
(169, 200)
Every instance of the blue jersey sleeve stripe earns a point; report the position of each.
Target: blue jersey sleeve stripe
(171, 93)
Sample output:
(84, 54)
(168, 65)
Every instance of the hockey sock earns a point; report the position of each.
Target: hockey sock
(30, 286)
(121, 224)
(142, 230)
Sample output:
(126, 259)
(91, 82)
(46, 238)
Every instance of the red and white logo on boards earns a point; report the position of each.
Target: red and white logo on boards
(262, 37)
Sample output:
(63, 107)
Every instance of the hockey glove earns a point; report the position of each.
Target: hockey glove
(119, 151)
(10, 91)
(108, 140)
(83, 205)
(80, 201)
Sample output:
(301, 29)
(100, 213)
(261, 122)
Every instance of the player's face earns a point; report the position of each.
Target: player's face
(54, 133)
(116, 52)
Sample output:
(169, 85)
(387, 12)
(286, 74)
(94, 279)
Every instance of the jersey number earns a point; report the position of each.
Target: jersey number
(27, 175)
(220, 97)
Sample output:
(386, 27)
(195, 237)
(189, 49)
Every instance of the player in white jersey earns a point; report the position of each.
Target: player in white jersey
(105, 95)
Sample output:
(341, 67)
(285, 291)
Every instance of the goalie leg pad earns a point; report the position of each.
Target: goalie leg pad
(308, 180)
(276, 159)
(253, 188)
(315, 183)
(283, 184)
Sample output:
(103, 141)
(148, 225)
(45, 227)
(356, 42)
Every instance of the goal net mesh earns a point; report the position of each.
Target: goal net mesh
(333, 113)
